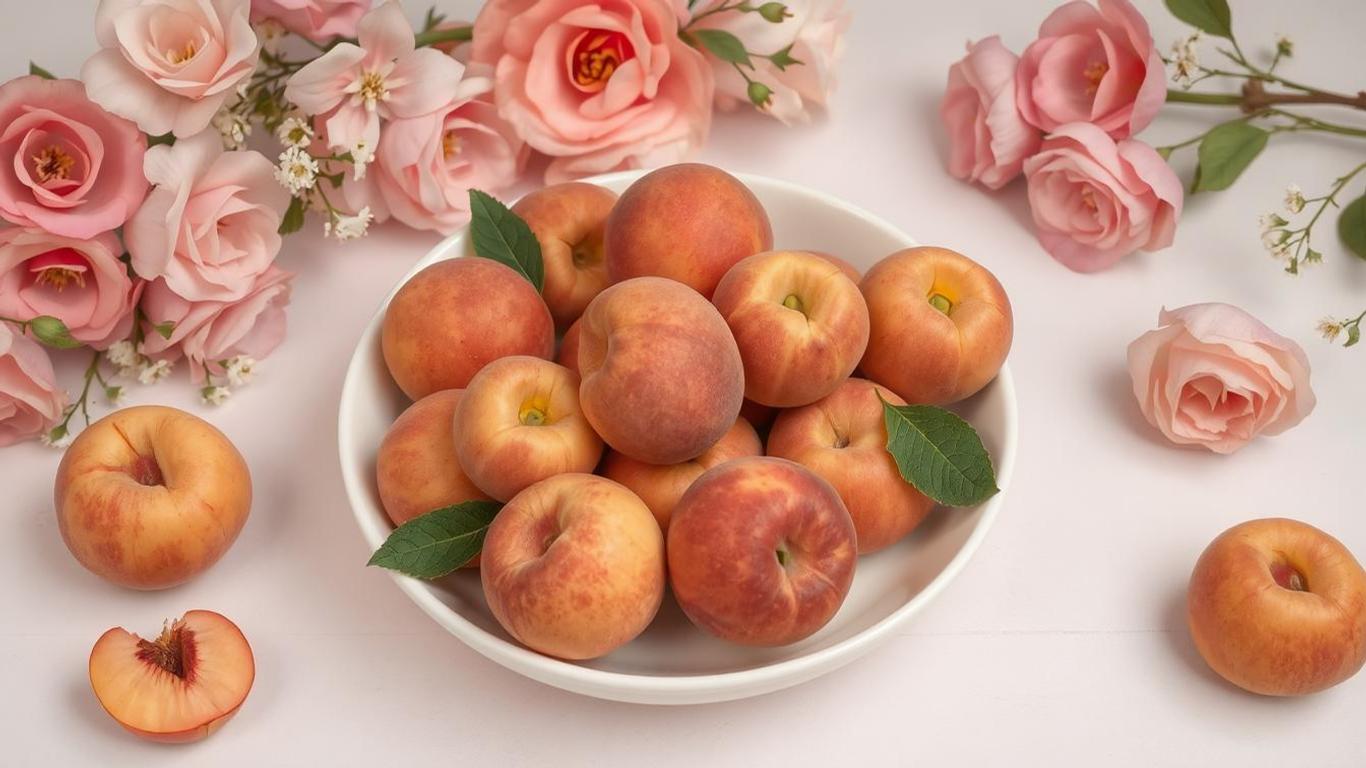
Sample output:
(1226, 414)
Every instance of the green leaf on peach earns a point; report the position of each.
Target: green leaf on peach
(432, 545)
(501, 235)
(939, 453)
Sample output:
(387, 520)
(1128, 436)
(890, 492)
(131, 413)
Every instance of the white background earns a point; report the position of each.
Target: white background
(1063, 642)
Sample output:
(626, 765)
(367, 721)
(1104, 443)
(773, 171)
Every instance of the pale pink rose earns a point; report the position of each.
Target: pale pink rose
(815, 32)
(66, 165)
(170, 65)
(1212, 375)
(30, 402)
(597, 86)
(1095, 201)
(384, 78)
(80, 282)
(1092, 66)
(210, 226)
(317, 20)
(988, 140)
(210, 333)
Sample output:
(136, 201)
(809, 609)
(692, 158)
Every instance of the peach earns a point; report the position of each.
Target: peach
(568, 356)
(941, 325)
(761, 552)
(574, 566)
(149, 497)
(1278, 607)
(520, 422)
(843, 439)
(568, 221)
(180, 687)
(688, 222)
(660, 487)
(850, 271)
(761, 416)
(800, 322)
(455, 317)
(662, 377)
(417, 470)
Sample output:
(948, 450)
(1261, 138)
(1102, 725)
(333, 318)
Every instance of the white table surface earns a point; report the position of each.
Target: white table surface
(1063, 642)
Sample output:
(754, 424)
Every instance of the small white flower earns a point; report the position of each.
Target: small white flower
(233, 128)
(215, 395)
(122, 354)
(155, 372)
(1270, 221)
(1277, 243)
(113, 395)
(349, 227)
(298, 170)
(1185, 61)
(239, 370)
(1294, 198)
(59, 437)
(1329, 328)
(270, 32)
(1285, 46)
(362, 154)
(295, 132)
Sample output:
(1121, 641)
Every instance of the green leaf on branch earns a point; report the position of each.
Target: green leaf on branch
(723, 45)
(1225, 152)
(293, 220)
(34, 69)
(52, 332)
(432, 545)
(939, 453)
(783, 59)
(165, 330)
(1352, 226)
(501, 235)
(1210, 16)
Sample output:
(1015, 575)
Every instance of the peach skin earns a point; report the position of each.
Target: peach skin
(568, 356)
(568, 221)
(417, 470)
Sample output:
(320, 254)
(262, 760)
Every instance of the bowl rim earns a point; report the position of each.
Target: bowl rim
(584, 679)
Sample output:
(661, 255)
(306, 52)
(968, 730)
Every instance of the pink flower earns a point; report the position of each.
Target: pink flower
(317, 20)
(30, 402)
(210, 226)
(80, 282)
(211, 333)
(66, 165)
(815, 32)
(1212, 375)
(988, 140)
(384, 77)
(170, 65)
(1095, 201)
(597, 86)
(1092, 66)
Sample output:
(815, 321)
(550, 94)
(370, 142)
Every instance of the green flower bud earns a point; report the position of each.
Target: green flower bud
(774, 12)
(52, 332)
(760, 94)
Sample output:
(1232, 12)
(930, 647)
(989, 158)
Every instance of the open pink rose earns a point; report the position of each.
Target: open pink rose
(815, 33)
(1095, 201)
(169, 65)
(988, 140)
(1092, 66)
(317, 20)
(597, 86)
(210, 226)
(1212, 375)
(80, 282)
(66, 165)
(30, 402)
(210, 333)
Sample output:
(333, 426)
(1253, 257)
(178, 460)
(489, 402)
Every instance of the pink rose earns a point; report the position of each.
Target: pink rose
(597, 86)
(1212, 375)
(66, 165)
(169, 65)
(30, 402)
(1095, 201)
(988, 140)
(1092, 66)
(317, 20)
(80, 282)
(815, 32)
(210, 333)
(210, 226)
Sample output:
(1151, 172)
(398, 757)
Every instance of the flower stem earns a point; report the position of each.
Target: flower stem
(438, 36)
(722, 8)
(1191, 97)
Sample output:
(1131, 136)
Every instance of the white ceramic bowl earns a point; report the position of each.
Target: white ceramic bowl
(673, 662)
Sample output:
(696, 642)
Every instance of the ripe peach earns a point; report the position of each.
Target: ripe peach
(180, 687)
(941, 325)
(417, 470)
(456, 316)
(850, 271)
(148, 497)
(568, 356)
(761, 552)
(688, 222)
(574, 566)
(843, 439)
(761, 416)
(799, 321)
(520, 422)
(568, 221)
(660, 487)
(662, 377)
(1278, 607)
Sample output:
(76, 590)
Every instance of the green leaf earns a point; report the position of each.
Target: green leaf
(939, 453)
(1225, 152)
(1352, 226)
(52, 332)
(432, 545)
(34, 69)
(723, 45)
(165, 330)
(1212, 16)
(783, 59)
(166, 138)
(293, 220)
(501, 235)
(1353, 335)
